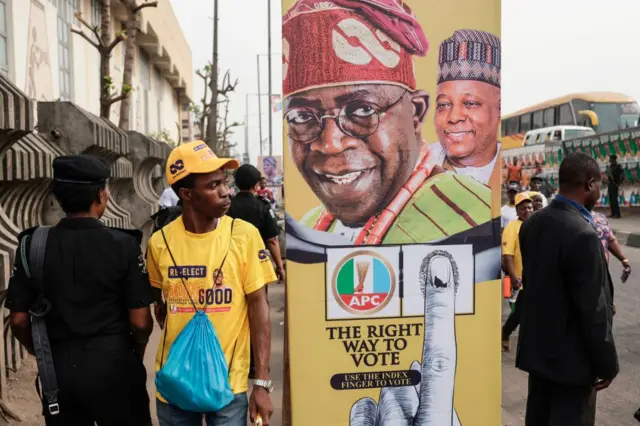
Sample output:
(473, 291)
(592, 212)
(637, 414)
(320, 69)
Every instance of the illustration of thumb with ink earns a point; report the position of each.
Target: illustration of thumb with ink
(430, 402)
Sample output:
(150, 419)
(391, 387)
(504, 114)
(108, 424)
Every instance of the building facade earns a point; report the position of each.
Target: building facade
(44, 58)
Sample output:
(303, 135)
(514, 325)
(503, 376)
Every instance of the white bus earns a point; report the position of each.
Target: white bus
(556, 134)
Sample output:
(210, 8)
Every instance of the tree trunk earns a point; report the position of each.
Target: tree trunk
(129, 61)
(105, 69)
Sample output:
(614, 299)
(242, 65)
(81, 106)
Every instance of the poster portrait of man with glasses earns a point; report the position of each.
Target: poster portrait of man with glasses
(354, 127)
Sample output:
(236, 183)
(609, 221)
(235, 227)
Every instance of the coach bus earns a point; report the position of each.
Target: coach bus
(602, 111)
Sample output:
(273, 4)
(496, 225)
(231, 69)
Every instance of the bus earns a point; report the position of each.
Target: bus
(602, 111)
(556, 133)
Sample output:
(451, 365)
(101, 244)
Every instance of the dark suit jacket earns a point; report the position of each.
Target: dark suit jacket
(566, 324)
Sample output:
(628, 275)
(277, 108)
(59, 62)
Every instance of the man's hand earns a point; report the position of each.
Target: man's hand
(516, 284)
(626, 270)
(260, 403)
(602, 384)
(280, 273)
(160, 311)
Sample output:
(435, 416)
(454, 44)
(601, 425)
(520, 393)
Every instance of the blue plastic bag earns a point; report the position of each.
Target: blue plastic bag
(196, 377)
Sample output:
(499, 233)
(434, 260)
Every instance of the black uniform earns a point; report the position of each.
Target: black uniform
(257, 212)
(92, 276)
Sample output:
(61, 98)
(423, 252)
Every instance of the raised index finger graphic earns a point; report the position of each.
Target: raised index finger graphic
(438, 277)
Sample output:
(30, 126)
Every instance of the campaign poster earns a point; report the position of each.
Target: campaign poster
(271, 167)
(391, 115)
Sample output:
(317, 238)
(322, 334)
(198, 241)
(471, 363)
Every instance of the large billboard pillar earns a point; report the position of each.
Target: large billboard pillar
(391, 120)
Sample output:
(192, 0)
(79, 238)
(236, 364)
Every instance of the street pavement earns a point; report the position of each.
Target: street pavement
(276, 303)
(617, 404)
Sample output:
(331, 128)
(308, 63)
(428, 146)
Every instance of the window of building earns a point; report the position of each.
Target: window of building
(525, 122)
(4, 39)
(159, 95)
(95, 15)
(66, 11)
(145, 82)
(538, 121)
(96, 12)
(565, 117)
(549, 117)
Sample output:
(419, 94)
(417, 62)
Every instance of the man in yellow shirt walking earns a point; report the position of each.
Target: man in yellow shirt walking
(512, 262)
(185, 258)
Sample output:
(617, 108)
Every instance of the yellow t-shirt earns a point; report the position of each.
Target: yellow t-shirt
(511, 244)
(246, 269)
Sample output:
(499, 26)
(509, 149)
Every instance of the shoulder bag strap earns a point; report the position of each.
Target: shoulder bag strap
(173, 260)
(39, 311)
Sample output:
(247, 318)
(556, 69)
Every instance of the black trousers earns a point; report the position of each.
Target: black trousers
(553, 404)
(613, 201)
(514, 317)
(101, 380)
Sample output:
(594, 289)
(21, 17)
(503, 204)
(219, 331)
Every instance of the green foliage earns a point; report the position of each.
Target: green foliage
(163, 136)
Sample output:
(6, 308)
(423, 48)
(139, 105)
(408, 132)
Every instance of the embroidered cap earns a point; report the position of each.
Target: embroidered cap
(470, 55)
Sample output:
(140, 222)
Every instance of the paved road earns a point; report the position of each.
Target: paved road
(276, 301)
(617, 404)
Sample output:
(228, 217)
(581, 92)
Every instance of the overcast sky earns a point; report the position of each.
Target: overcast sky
(550, 48)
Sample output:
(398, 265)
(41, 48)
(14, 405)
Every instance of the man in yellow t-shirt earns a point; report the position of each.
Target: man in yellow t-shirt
(512, 262)
(184, 271)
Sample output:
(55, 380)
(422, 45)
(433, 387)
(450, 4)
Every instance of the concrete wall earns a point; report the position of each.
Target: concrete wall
(26, 156)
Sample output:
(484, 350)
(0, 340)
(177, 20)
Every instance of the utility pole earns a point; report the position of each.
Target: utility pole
(246, 126)
(270, 101)
(212, 124)
(259, 105)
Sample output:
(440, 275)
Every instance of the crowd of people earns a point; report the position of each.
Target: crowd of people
(208, 258)
(559, 252)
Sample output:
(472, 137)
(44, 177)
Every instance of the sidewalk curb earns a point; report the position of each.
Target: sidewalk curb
(630, 239)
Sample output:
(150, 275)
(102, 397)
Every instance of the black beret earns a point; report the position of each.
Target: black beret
(247, 176)
(80, 169)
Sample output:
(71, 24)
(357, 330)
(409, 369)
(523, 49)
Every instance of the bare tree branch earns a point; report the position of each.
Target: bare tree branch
(86, 37)
(142, 6)
(118, 98)
(92, 28)
(121, 37)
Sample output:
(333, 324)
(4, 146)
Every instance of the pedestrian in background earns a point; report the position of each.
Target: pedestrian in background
(246, 205)
(508, 211)
(566, 341)
(615, 178)
(610, 243)
(512, 264)
(99, 323)
(536, 186)
(538, 200)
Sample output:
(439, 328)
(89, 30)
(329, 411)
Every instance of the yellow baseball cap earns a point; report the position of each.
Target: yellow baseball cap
(523, 196)
(195, 157)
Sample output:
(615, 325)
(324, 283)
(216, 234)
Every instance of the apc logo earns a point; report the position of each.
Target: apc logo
(176, 167)
(262, 255)
(363, 283)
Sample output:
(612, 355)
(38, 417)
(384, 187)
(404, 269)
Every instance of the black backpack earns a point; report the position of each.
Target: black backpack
(165, 216)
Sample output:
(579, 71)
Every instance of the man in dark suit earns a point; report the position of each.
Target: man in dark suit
(566, 341)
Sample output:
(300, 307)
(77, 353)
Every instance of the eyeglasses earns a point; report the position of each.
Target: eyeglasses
(358, 119)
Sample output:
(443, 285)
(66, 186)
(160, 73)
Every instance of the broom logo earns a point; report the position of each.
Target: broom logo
(363, 270)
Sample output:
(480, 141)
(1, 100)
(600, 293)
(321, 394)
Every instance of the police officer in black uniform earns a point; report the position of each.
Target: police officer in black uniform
(99, 323)
(258, 212)
(250, 208)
